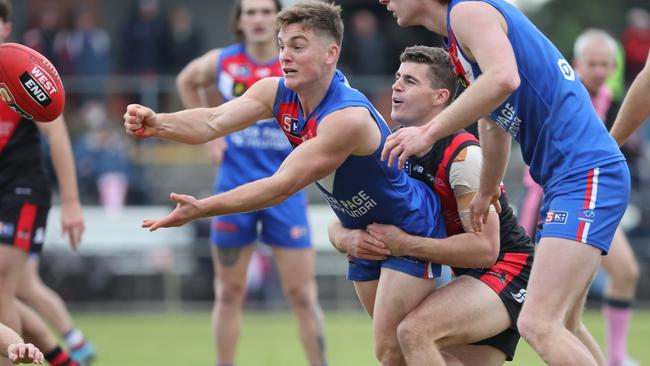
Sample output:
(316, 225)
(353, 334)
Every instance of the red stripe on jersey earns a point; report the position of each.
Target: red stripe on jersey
(585, 204)
(25, 226)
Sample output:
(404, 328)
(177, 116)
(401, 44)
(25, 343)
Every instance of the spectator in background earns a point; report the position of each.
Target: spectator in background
(49, 37)
(365, 48)
(89, 47)
(636, 41)
(102, 159)
(143, 40)
(184, 40)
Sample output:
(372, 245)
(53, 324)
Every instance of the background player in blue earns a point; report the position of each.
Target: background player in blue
(491, 266)
(635, 109)
(520, 82)
(247, 155)
(337, 136)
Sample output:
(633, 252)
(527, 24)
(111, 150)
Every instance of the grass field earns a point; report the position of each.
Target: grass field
(173, 339)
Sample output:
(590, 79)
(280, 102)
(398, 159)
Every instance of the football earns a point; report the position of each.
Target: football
(30, 84)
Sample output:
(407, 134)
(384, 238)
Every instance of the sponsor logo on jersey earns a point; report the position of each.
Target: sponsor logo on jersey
(6, 230)
(35, 89)
(238, 89)
(556, 217)
(566, 70)
(238, 70)
(520, 296)
(290, 125)
(8, 98)
(263, 72)
(587, 215)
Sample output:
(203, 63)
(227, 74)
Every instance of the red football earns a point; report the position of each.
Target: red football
(29, 84)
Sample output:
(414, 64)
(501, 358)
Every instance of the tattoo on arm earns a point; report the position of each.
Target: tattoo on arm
(228, 256)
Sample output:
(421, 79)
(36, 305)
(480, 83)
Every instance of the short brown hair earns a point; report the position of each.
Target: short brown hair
(5, 10)
(441, 72)
(316, 16)
(236, 14)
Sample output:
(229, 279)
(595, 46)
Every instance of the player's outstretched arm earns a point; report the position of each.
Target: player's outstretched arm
(72, 221)
(355, 242)
(13, 348)
(200, 125)
(339, 135)
(635, 109)
(485, 40)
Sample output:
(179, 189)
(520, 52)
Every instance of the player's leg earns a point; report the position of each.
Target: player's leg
(561, 272)
(296, 270)
(35, 331)
(464, 311)
(19, 222)
(367, 292)
(398, 293)
(623, 270)
(576, 326)
(475, 355)
(231, 251)
(286, 229)
(48, 304)
(581, 214)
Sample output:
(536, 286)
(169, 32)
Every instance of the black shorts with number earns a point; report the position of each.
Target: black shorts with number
(508, 277)
(23, 213)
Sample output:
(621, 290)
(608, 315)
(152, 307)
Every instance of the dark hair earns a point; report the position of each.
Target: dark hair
(441, 72)
(316, 16)
(236, 14)
(5, 10)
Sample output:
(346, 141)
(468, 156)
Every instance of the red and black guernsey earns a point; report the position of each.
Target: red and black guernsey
(20, 155)
(433, 169)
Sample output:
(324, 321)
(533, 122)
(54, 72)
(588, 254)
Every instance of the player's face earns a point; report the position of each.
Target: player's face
(413, 98)
(595, 65)
(404, 11)
(5, 30)
(304, 55)
(257, 20)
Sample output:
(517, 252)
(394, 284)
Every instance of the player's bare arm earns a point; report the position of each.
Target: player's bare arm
(339, 135)
(467, 250)
(485, 41)
(72, 222)
(635, 109)
(200, 125)
(196, 76)
(355, 242)
(495, 145)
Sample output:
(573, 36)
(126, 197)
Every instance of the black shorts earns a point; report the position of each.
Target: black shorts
(508, 277)
(23, 216)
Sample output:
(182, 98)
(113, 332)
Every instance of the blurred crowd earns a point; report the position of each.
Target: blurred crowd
(138, 60)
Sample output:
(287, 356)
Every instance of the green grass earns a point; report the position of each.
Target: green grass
(172, 339)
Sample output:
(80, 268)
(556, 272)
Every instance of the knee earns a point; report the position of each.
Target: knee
(230, 293)
(388, 351)
(300, 297)
(628, 274)
(533, 329)
(412, 335)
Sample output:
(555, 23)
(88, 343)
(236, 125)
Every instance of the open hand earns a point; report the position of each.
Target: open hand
(479, 207)
(406, 142)
(187, 209)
